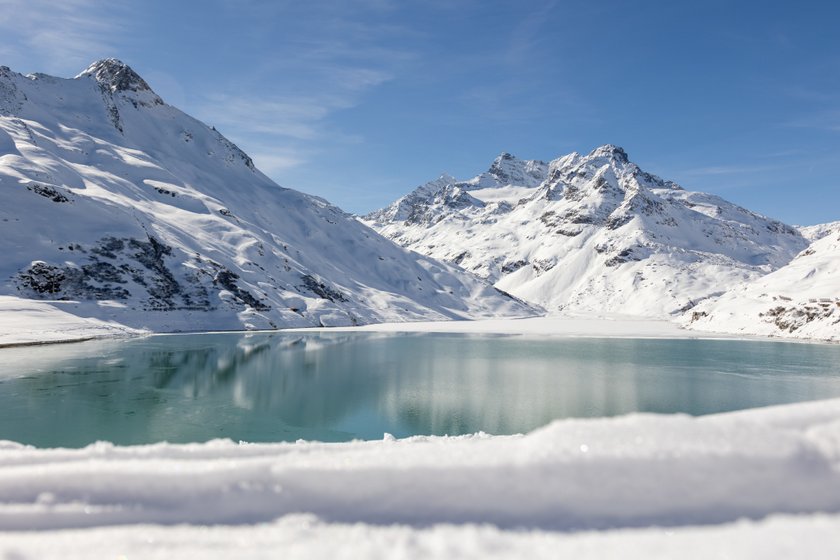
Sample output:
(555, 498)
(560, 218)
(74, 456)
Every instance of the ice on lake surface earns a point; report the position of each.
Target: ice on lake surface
(343, 386)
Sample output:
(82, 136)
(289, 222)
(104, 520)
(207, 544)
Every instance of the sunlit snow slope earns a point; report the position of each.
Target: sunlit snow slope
(112, 198)
(799, 300)
(589, 233)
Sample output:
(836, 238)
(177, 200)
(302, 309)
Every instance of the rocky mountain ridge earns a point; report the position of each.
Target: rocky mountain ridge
(589, 234)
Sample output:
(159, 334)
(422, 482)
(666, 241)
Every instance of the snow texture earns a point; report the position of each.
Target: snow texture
(25, 321)
(126, 209)
(759, 483)
(589, 234)
(800, 300)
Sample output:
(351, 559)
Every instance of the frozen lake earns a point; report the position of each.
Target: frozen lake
(343, 386)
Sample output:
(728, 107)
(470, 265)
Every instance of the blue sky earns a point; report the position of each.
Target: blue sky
(360, 100)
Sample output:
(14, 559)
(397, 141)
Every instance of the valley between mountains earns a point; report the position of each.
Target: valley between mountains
(127, 214)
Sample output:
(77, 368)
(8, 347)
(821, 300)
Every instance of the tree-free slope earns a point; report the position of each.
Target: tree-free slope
(589, 233)
(800, 300)
(111, 198)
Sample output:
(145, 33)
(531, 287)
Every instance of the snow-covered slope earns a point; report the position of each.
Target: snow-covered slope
(816, 232)
(110, 196)
(589, 233)
(800, 300)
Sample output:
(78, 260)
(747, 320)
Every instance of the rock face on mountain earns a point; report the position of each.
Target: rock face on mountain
(800, 300)
(115, 200)
(589, 233)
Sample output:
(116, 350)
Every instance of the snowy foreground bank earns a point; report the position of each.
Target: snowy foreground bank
(26, 321)
(763, 483)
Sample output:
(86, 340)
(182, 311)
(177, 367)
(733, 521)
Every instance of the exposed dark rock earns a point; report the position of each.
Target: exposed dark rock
(322, 290)
(165, 191)
(623, 256)
(697, 315)
(116, 76)
(618, 219)
(111, 266)
(572, 193)
(779, 227)
(163, 287)
(228, 280)
(42, 278)
(507, 268)
(458, 259)
(550, 218)
(47, 192)
(543, 265)
(103, 272)
(108, 247)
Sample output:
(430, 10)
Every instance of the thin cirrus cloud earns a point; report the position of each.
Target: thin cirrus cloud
(60, 37)
(285, 131)
(327, 61)
(299, 117)
(825, 120)
(729, 170)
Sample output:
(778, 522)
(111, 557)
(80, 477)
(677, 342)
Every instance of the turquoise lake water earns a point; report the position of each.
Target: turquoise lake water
(339, 386)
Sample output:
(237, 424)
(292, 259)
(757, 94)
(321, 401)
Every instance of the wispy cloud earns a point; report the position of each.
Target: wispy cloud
(728, 170)
(61, 37)
(330, 57)
(822, 120)
(279, 160)
(510, 77)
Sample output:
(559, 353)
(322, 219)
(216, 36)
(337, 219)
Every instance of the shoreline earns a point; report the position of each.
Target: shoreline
(535, 327)
(35, 323)
(607, 480)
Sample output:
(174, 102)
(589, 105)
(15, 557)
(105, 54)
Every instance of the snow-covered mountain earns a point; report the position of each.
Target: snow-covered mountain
(141, 213)
(589, 233)
(800, 300)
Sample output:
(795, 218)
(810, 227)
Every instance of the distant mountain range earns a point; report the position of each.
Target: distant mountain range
(589, 233)
(113, 199)
(595, 234)
(118, 206)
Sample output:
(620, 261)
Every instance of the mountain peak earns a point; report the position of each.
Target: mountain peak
(509, 169)
(610, 151)
(115, 75)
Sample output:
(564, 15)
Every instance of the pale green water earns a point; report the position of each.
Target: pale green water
(335, 386)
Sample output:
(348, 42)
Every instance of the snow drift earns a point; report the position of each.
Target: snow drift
(573, 475)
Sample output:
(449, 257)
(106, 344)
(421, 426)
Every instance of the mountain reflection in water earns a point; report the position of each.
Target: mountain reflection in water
(341, 386)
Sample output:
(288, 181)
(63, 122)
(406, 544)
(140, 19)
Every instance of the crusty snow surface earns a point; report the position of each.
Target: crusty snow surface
(763, 483)
(800, 300)
(143, 215)
(589, 234)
